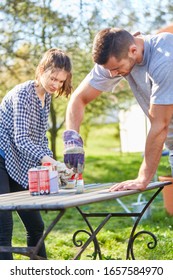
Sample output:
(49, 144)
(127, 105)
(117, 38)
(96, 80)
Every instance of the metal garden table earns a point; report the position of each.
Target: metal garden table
(67, 198)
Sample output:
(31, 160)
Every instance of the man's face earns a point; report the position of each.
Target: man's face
(120, 67)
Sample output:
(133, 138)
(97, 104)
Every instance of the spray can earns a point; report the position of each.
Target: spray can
(79, 184)
(33, 181)
(44, 180)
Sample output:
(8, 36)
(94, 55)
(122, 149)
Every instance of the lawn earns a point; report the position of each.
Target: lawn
(106, 163)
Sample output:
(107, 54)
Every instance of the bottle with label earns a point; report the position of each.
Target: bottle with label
(79, 184)
(53, 175)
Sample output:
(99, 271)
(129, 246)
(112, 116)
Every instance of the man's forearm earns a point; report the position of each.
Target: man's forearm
(74, 115)
(83, 95)
(153, 151)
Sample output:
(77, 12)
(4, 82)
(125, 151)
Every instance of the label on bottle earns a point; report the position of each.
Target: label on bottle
(79, 186)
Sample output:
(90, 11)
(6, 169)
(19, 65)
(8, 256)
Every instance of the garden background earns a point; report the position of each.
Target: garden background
(27, 29)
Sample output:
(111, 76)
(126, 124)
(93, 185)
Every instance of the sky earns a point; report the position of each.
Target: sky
(107, 8)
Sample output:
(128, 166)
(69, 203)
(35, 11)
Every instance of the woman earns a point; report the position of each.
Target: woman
(23, 144)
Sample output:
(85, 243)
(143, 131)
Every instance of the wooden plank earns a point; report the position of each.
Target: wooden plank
(66, 198)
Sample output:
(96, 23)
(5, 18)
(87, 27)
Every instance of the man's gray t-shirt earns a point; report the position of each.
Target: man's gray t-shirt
(151, 81)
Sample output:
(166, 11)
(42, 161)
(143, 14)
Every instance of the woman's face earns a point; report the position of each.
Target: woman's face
(53, 81)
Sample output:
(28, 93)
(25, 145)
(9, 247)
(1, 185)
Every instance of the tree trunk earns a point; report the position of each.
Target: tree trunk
(54, 129)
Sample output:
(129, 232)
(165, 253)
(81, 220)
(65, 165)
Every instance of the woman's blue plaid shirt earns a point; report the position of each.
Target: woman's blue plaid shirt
(23, 126)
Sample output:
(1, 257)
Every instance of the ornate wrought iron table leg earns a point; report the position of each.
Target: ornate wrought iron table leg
(92, 235)
(34, 252)
(133, 236)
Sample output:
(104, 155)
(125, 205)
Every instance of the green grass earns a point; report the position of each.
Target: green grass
(105, 163)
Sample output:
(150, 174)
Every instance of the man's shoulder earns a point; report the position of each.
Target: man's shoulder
(158, 49)
(164, 38)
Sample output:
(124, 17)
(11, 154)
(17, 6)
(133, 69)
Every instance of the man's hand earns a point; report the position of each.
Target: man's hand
(128, 185)
(73, 151)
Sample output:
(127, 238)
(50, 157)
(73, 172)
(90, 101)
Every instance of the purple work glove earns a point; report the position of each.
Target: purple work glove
(73, 151)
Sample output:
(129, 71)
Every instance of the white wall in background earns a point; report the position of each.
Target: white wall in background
(133, 129)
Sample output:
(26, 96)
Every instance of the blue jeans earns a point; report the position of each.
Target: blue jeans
(32, 220)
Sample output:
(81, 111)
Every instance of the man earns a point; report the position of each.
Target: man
(146, 62)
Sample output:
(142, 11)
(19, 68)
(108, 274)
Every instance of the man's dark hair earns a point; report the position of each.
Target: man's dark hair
(111, 42)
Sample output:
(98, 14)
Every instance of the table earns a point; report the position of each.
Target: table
(67, 198)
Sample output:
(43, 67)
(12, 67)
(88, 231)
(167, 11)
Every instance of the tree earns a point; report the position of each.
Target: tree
(28, 28)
